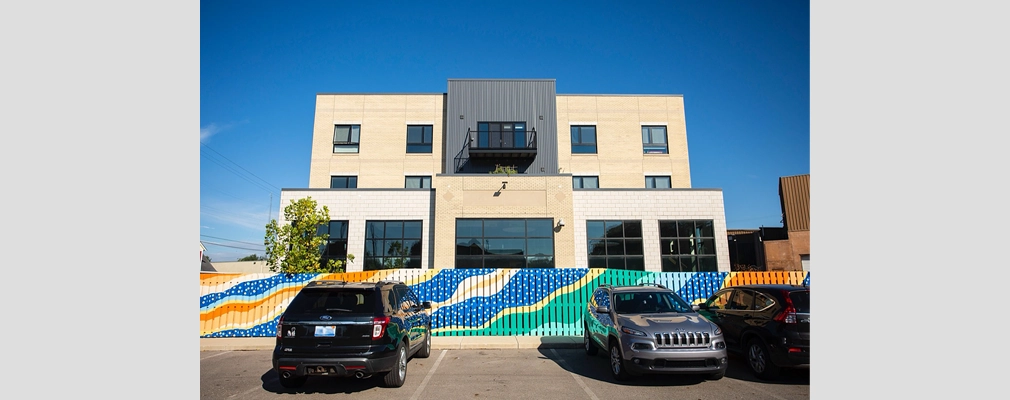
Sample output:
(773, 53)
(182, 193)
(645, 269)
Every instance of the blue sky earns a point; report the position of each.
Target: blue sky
(742, 66)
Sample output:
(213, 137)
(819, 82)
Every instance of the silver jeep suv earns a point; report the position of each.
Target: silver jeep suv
(650, 329)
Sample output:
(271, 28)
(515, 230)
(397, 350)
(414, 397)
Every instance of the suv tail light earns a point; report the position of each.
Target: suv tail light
(379, 326)
(788, 314)
(279, 321)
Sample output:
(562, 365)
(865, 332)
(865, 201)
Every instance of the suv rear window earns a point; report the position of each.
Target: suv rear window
(801, 300)
(321, 301)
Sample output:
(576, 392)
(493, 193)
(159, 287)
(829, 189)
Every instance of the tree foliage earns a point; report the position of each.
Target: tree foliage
(297, 247)
(252, 257)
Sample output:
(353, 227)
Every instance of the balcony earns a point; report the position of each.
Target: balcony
(497, 144)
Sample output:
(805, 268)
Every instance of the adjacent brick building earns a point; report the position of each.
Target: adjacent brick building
(600, 181)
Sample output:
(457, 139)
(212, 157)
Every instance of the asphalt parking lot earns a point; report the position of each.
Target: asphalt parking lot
(555, 373)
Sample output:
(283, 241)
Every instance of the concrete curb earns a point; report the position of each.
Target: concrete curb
(437, 343)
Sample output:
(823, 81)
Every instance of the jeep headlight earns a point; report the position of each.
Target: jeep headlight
(634, 332)
(717, 331)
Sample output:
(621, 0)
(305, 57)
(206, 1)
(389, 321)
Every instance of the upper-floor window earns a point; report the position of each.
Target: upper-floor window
(413, 182)
(343, 182)
(657, 182)
(584, 139)
(346, 138)
(419, 138)
(507, 135)
(585, 182)
(654, 139)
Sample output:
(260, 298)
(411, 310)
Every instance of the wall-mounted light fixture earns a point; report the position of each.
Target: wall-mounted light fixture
(561, 222)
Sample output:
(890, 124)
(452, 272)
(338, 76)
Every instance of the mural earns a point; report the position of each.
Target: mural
(465, 302)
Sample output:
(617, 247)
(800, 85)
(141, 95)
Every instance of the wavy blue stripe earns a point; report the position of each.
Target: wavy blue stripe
(256, 288)
(526, 288)
(265, 329)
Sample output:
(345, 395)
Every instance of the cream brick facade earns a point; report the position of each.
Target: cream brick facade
(382, 160)
(382, 163)
(619, 161)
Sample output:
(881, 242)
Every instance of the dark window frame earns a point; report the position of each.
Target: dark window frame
(335, 247)
(579, 143)
(424, 146)
(650, 182)
(486, 136)
(353, 139)
(688, 249)
(407, 258)
(579, 182)
(349, 181)
(649, 145)
(621, 260)
(476, 250)
(424, 179)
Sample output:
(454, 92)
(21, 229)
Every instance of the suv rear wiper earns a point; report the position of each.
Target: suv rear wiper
(338, 309)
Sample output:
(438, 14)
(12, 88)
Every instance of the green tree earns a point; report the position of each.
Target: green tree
(252, 257)
(297, 248)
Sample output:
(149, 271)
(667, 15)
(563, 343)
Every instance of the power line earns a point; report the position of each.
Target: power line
(231, 240)
(233, 247)
(236, 164)
(230, 169)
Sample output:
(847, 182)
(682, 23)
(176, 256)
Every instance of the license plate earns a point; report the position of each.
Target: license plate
(326, 331)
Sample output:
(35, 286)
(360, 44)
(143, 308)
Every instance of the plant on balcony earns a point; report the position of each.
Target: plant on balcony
(508, 170)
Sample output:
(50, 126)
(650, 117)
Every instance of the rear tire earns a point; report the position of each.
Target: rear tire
(425, 350)
(591, 348)
(398, 375)
(292, 382)
(617, 363)
(759, 360)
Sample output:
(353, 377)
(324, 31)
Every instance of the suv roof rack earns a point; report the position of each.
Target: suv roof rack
(327, 282)
(652, 284)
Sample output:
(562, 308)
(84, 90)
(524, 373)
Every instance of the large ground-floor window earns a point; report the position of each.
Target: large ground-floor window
(392, 244)
(615, 244)
(504, 243)
(688, 246)
(335, 247)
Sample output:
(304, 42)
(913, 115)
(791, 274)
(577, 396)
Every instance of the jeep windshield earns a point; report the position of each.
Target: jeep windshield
(650, 302)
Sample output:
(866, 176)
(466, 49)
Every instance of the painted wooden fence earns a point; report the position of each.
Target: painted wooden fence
(465, 302)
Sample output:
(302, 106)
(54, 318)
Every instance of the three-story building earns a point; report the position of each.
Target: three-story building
(506, 173)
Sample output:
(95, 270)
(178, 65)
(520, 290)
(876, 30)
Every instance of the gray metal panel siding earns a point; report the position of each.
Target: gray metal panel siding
(479, 100)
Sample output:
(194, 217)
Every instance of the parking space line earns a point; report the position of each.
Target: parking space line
(215, 355)
(578, 380)
(428, 377)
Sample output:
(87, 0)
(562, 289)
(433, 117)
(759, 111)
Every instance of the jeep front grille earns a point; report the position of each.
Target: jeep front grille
(683, 339)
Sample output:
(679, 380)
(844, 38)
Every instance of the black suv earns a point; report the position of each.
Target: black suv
(649, 329)
(770, 324)
(337, 328)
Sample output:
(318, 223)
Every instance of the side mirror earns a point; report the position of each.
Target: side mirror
(701, 306)
(603, 310)
(426, 305)
(696, 307)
